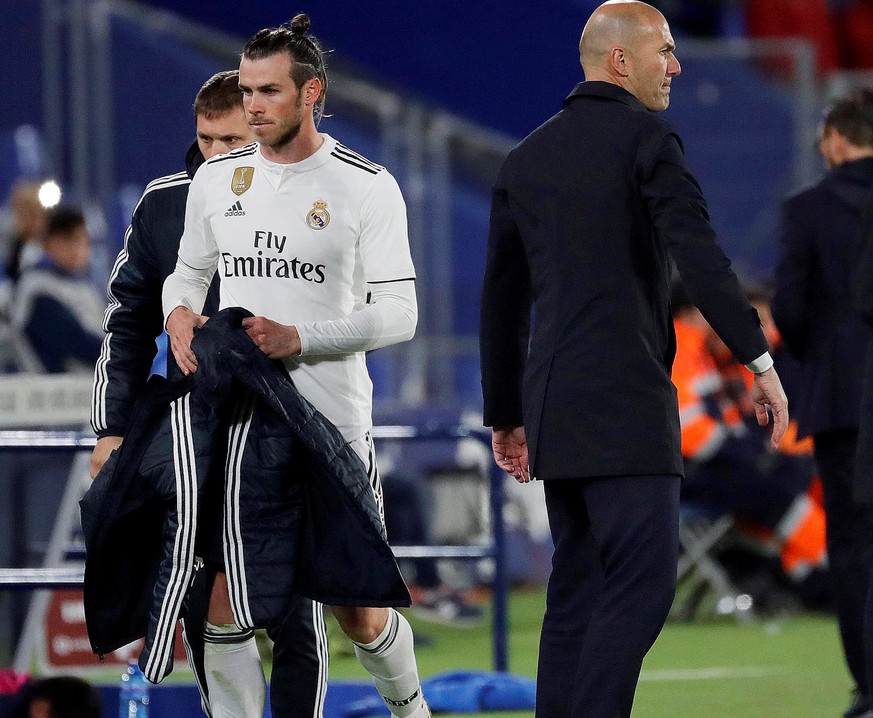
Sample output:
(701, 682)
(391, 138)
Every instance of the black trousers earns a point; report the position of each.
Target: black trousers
(849, 541)
(612, 584)
(298, 683)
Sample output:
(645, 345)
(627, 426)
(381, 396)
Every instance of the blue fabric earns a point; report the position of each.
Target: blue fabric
(462, 692)
(473, 691)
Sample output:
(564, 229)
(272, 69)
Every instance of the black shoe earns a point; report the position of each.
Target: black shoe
(860, 706)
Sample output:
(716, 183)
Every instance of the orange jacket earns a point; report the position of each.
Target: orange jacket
(706, 413)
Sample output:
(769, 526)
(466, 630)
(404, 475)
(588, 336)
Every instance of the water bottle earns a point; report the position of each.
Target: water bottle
(133, 693)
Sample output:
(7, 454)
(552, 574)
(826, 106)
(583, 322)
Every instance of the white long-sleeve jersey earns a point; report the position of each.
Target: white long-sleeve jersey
(305, 244)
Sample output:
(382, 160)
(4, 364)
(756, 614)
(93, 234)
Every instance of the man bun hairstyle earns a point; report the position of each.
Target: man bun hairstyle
(307, 56)
(300, 24)
(852, 116)
(219, 95)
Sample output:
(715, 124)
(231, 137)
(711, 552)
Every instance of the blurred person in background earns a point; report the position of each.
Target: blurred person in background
(729, 466)
(586, 214)
(813, 309)
(59, 697)
(55, 308)
(225, 657)
(22, 246)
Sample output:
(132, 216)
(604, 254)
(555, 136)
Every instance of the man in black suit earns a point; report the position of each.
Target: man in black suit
(813, 310)
(585, 213)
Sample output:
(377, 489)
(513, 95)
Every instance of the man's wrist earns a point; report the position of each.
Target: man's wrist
(761, 364)
(298, 339)
(172, 312)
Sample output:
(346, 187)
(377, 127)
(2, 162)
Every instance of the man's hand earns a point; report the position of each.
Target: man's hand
(767, 390)
(510, 451)
(180, 328)
(104, 447)
(276, 340)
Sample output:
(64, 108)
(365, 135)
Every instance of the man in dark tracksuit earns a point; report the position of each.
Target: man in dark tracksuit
(584, 214)
(814, 312)
(226, 659)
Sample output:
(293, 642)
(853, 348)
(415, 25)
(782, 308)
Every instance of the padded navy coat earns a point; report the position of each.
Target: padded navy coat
(299, 516)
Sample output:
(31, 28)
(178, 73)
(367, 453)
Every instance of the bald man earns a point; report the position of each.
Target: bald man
(587, 212)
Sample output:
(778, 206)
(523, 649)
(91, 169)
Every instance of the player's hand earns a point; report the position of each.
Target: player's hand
(104, 447)
(180, 328)
(767, 391)
(276, 340)
(510, 451)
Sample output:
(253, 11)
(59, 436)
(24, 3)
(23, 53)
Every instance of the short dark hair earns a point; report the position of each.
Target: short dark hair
(67, 696)
(219, 95)
(64, 221)
(307, 56)
(852, 116)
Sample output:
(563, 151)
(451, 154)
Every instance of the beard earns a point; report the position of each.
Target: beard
(287, 136)
(288, 130)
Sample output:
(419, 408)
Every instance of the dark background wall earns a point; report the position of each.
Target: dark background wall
(506, 65)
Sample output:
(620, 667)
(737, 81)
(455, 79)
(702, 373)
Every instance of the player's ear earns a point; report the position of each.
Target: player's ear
(618, 61)
(311, 91)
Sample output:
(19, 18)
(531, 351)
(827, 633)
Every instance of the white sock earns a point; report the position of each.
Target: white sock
(390, 659)
(234, 676)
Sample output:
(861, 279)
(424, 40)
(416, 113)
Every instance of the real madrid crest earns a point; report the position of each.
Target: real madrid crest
(241, 180)
(318, 217)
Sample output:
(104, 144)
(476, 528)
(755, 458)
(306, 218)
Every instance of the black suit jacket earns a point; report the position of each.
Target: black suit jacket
(586, 212)
(813, 305)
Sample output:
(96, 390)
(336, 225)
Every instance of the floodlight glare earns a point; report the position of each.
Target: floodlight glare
(49, 194)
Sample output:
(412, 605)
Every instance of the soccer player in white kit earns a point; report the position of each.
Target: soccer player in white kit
(310, 237)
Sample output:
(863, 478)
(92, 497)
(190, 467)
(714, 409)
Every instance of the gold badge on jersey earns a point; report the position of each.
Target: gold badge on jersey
(241, 180)
(318, 217)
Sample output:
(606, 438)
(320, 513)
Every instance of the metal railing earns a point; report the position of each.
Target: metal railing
(72, 577)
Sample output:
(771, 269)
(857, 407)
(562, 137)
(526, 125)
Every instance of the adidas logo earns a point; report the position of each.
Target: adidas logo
(235, 210)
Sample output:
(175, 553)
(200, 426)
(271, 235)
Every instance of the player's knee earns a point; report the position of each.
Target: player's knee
(362, 625)
(220, 612)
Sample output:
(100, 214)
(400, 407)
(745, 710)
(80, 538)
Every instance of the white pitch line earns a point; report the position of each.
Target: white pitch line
(708, 674)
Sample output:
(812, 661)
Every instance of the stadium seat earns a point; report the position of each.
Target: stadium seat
(704, 587)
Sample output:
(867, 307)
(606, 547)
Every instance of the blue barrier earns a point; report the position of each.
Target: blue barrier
(459, 692)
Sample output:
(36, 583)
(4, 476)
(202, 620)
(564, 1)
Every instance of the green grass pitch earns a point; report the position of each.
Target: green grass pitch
(719, 668)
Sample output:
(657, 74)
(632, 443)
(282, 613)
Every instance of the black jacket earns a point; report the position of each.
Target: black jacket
(863, 301)
(300, 516)
(134, 318)
(813, 304)
(586, 213)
